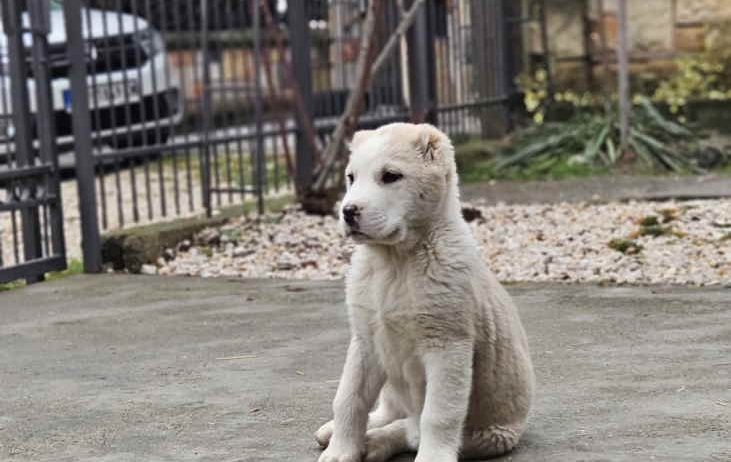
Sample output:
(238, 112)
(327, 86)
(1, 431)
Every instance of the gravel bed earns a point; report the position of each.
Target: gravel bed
(635, 242)
(189, 204)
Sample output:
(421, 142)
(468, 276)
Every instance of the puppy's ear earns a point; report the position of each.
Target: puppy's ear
(359, 137)
(431, 143)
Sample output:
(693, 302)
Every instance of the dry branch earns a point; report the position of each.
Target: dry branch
(366, 69)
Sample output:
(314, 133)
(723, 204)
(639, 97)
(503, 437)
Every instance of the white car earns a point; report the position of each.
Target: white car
(135, 96)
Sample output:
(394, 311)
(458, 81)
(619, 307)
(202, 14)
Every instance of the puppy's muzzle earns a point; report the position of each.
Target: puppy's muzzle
(351, 214)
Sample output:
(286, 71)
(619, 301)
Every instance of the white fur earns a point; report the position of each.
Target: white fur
(432, 331)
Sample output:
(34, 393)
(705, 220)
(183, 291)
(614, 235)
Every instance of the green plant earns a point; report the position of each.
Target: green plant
(12, 285)
(649, 220)
(74, 266)
(650, 225)
(669, 214)
(625, 246)
(654, 231)
(535, 93)
(593, 139)
(537, 99)
(706, 75)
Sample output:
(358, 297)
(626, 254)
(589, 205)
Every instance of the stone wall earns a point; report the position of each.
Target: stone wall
(655, 26)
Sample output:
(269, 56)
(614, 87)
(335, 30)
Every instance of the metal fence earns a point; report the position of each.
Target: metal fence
(155, 109)
(177, 96)
(31, 218)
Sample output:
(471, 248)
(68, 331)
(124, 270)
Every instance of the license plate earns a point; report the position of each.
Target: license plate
(107, 94)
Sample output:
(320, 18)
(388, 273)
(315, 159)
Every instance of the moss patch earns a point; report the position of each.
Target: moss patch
(133, 247)
(625, 246)
(74, 266)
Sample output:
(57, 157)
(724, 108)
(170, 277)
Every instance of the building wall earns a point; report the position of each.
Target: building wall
(655, 26)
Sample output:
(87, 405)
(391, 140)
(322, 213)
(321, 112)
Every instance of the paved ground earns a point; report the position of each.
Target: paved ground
(600, 189)
(123, 368)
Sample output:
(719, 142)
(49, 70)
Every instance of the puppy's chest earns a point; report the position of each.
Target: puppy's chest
(394, 327)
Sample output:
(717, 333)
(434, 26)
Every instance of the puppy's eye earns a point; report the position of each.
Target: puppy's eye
(390, 177)
(351, 178)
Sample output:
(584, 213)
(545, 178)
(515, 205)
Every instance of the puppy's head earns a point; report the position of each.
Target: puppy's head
(399, 177)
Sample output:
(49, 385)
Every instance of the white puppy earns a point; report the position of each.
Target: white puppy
(432, 331)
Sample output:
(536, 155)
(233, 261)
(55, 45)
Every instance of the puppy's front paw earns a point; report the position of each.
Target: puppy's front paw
(437, 456)
(335, 453)
(323, 435)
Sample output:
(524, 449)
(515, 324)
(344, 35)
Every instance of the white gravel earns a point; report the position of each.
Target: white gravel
(561, 242)
(147, 213)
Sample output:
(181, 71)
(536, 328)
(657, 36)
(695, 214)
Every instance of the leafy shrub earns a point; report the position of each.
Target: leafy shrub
(702, 76)
(593, 139)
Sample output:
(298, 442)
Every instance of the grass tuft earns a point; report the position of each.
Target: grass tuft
(625, 246)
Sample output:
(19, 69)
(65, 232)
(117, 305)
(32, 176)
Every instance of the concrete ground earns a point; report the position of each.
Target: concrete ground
(122, 368)
(600, 189)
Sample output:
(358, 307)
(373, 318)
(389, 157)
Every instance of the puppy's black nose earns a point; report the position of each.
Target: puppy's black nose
(350, 214)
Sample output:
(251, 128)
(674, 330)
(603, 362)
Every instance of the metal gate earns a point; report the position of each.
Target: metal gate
(31, 219)
(162, 109)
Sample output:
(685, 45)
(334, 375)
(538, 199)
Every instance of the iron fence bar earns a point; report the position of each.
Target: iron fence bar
(219, 50)
(586, 35)
(235, 190)
(118, 185)
(474, 104)
(156, 116)
(25, 204)
(101, 180)
(134, 6)
(97, 119)
(183, 82)
(127, 113)
(233, 94)
(30, 222)
(14, 227)
(30, 270)
(543, 22)
(206, 108)
(171, 134)
(422, 59)
(246, 61)
(40, 16)
(260, 157)
(24, 172)
(90, 238)
(300, 44)
(149, 150)
(625, 107)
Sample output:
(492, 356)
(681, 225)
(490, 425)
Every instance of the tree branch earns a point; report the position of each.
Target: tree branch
(366, 69)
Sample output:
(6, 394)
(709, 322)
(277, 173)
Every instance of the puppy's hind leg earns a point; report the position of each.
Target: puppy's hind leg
(492, 441)
(387, 410)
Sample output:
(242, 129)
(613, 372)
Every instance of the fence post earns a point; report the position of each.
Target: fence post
(299, 42)
(84, 157)
(261, 172)
(204, 151)
(623, 70)
(422, 66)
(491, 68)
(40, 23)
(12, 13)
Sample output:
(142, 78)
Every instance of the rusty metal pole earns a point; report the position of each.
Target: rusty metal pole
(623, 78)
